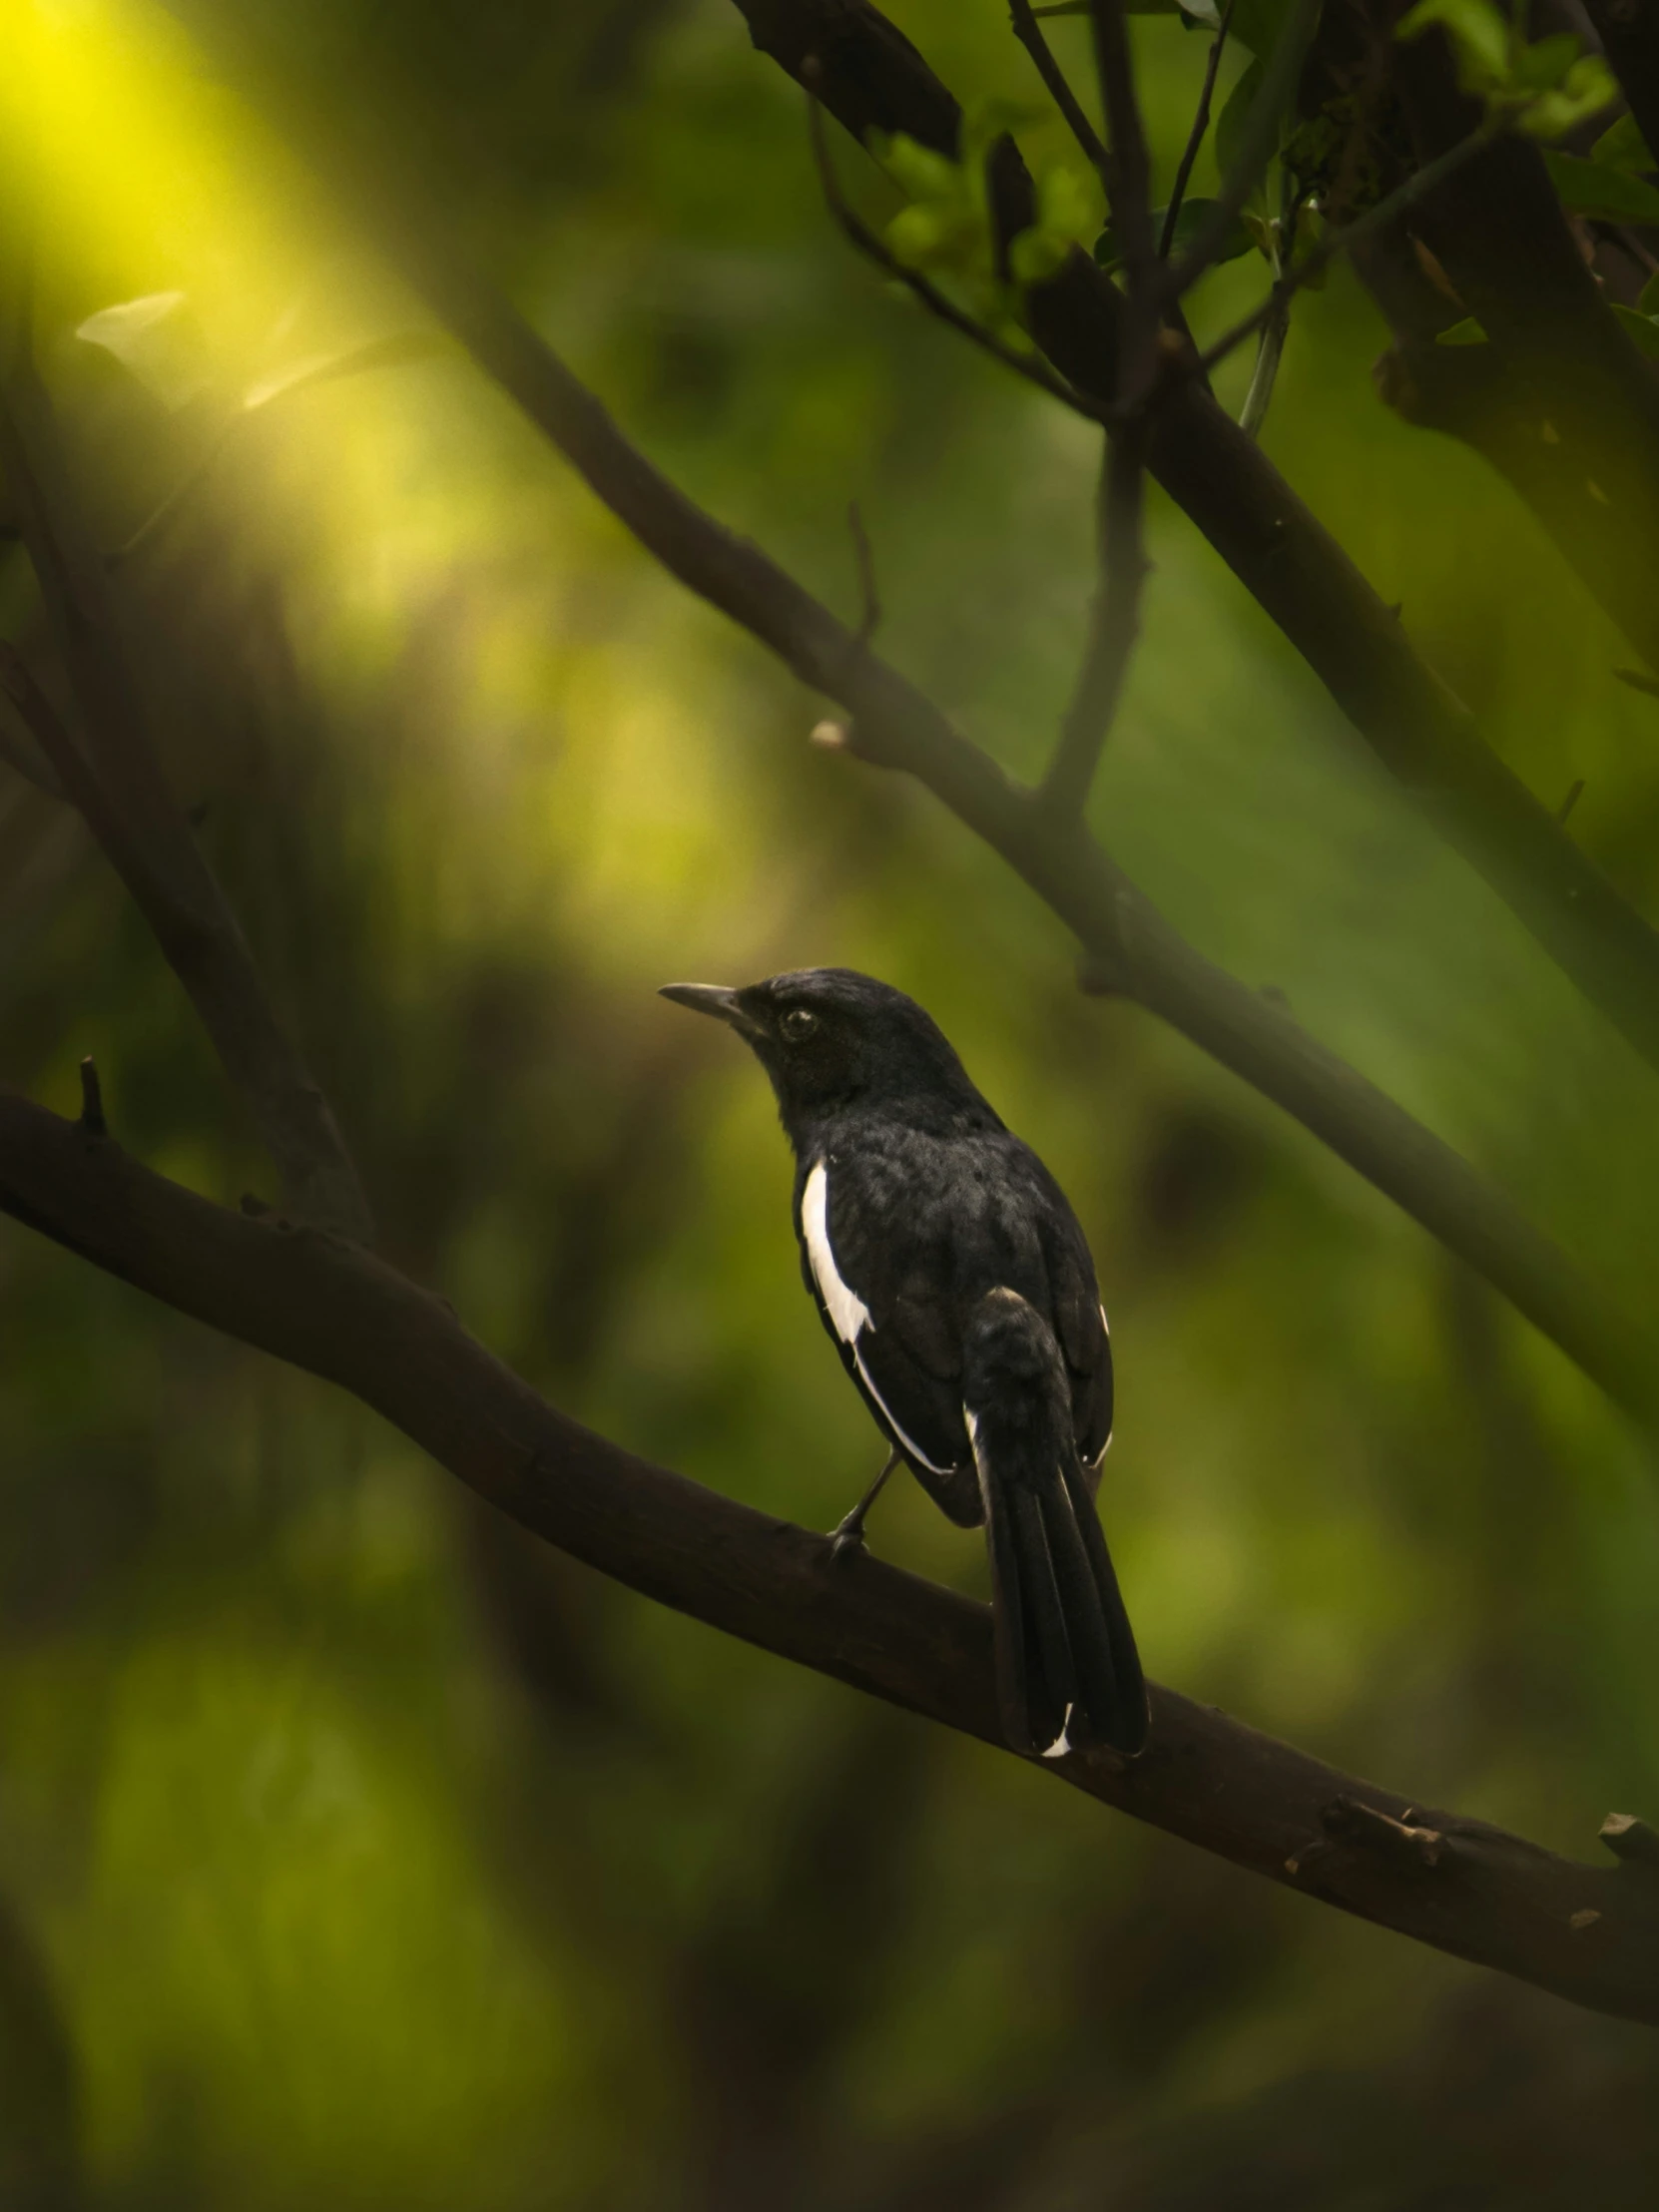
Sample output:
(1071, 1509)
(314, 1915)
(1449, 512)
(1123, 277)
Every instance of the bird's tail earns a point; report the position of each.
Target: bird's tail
(1066, 1666)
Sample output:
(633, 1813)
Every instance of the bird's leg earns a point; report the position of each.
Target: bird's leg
(849, 1535)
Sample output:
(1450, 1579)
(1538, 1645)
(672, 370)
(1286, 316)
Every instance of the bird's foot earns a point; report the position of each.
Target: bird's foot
(846, 1538)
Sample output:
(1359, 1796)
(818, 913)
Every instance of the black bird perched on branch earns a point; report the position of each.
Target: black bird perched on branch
(958, 1289)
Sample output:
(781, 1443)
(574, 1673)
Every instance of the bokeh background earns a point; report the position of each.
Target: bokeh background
(355, 1851)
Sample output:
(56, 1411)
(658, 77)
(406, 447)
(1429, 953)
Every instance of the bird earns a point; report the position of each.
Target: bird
(956, 1283)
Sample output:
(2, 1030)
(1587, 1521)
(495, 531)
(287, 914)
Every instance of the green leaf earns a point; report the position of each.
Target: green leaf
(1036, 255)
(1466, 333)
(1589, 188)
(1542, 67)
(917, 170)
(1648, 303)
(1480, 38)
(1623, 148)
(1194, 214)
(1257, 25)
(1586, 90)
(987, 120)
(1231, 121)
(1067, 204)
(1642, 329)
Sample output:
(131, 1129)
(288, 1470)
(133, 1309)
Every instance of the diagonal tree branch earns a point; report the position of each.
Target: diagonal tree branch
(1590, 1933)
(1030, 34)
(1131, 949)
(119, 785)
(870, 76)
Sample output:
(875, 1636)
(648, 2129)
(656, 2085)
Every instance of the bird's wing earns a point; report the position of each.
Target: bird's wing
(1079, 1323)
(866, 1266)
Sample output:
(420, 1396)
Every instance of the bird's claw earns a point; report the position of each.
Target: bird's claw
(844, 1541)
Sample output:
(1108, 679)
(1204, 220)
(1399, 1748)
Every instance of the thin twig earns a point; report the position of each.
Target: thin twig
(1321, 256)
(935, 301)
(1255, 149)
(92, 1100)
(1195, 137)
(1115, 626)
(1115, 622)
(1265, 374)
(1030, 35)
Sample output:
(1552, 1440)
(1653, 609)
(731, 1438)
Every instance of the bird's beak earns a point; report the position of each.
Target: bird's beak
(715, 999)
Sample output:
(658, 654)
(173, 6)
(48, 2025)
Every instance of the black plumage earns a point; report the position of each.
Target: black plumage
(957, 1287)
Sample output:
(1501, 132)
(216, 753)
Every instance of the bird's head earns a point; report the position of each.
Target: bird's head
(830, 1038)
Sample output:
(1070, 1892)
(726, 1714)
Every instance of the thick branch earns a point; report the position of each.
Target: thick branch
(119, 785)
(1590, 1933)
(870, 76)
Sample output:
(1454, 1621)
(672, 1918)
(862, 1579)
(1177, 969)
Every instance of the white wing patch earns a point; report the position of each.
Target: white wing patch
(847, 1310)
(849, 1315)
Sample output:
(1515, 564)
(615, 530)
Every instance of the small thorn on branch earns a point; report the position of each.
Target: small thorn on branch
(1309, 1854)
(1631, 1839)
(1575, 792)
(254, 1207)
(92, 1100)
(1352, 1820)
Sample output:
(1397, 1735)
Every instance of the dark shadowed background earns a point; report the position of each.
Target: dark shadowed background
(355, 1851)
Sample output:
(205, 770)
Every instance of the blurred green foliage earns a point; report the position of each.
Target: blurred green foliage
(353, 1851)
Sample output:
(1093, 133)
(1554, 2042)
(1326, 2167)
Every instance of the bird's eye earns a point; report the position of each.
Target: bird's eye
(797, 1024)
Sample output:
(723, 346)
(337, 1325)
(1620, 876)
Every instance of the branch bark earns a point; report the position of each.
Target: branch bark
(870, 76)
(1590, 1933)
